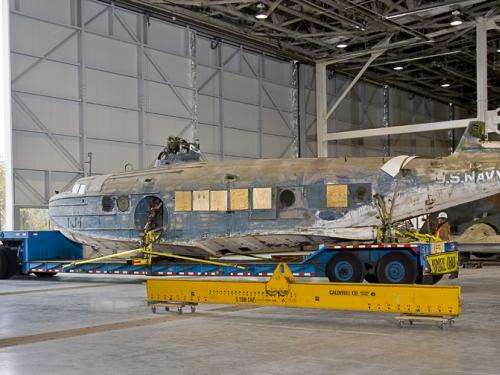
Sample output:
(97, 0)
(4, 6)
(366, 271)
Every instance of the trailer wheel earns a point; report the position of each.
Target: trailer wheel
(8, 263)
(45, 274)
(4, 264)
(428, 279)
(14, 266)
(371, 278)
(396, 268)
(345, 268)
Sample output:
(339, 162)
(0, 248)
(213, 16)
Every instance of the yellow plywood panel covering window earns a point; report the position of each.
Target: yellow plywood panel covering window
(336, 196)
(262, 198)
(218, 200)
(183, 201)
(239, 199)
(201, 200)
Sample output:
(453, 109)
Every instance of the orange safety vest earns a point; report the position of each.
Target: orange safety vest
(443, 231)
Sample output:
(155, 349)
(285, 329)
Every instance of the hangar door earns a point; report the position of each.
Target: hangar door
(96, 88)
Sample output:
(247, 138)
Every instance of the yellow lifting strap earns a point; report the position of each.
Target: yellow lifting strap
(196, 260)
(282, 290)
(92, 260)
(150, 238)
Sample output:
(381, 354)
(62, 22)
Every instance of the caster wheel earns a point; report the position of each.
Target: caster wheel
(153, 309)
(193, 309)
(167, 308)
(179, 311)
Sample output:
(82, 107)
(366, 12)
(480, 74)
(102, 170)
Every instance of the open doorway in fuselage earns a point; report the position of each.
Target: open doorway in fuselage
(148, 215)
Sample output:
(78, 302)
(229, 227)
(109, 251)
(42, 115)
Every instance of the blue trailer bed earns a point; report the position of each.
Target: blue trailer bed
(47, 253)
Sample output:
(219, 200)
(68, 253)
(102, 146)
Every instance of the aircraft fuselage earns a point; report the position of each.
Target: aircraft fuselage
(218, 207)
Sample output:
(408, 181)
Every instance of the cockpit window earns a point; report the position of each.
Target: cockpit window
(78, 189)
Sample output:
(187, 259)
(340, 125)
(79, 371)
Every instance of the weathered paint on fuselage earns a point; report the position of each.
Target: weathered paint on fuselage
(423, 186)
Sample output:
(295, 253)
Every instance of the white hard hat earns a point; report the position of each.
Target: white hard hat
(443, 215)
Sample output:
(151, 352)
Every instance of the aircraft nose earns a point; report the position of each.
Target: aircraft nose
(54, 210)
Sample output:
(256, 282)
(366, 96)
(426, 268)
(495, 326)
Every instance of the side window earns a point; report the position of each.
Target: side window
(218, 200)
(183, 201)
(262, 198)
(352, 195)
(286, 198)
(201, 200)
(108, 203)
(337, 196)
(360, 193)
(238, 199)
(123, 203)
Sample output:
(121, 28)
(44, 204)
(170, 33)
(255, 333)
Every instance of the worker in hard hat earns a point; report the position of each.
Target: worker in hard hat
(443, 230)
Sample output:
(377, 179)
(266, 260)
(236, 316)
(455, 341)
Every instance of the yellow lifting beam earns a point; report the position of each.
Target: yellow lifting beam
(282, 290)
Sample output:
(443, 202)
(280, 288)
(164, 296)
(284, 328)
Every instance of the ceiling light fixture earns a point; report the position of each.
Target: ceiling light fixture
(398, 67)
(445, 85)
(342, 45)
(261, 13)
(456, 20)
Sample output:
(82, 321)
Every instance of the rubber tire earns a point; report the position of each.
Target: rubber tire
(410, 268)
(358, 271)
(4, 264)
(371, 278)
(8, 263)
(44, 275)
(14, 266)
(428, 279)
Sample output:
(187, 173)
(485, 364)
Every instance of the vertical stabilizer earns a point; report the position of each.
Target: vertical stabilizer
(473, 138)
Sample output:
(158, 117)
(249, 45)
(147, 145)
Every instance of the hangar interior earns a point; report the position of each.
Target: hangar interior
(94, 87)
(98, 86)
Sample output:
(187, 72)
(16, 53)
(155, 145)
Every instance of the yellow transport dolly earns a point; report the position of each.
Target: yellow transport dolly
(411, 302)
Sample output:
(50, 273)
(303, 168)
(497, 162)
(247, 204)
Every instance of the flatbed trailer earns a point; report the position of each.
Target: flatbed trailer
(46, 253)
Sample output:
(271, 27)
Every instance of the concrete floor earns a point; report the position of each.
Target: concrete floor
(93, 324)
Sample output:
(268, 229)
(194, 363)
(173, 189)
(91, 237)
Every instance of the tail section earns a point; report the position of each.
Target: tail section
(475, 139)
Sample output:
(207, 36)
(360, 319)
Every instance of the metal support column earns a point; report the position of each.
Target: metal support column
(111, 19)
(142, 30)
(482, 68)
(5, 113)
(48, 191)
(220, 64)
(451, 132)
(412, 121)
(259, 102)
(294, 104)
(191, 36)
(321, 110)
(302, 111)
(386, 121)
(357, 146)
(82, 85)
